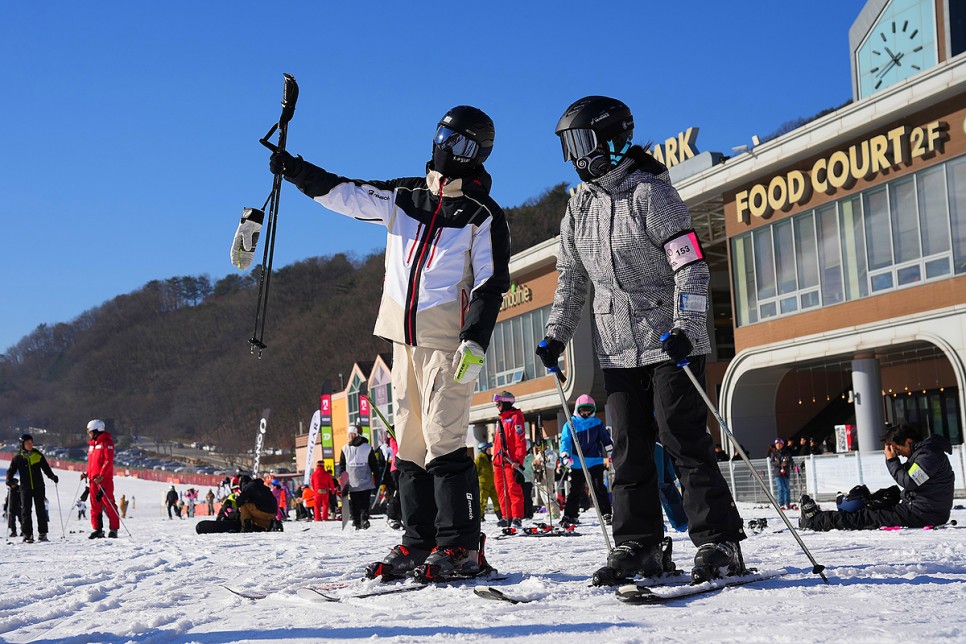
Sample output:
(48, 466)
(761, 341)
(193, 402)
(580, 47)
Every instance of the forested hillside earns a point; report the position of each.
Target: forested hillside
(172, 358)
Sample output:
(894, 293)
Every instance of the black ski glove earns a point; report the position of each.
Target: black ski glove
(676, 345)
(55, 479)
(549, 351)
(285, 164)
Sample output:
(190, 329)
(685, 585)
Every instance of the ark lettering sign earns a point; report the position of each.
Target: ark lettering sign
(677, 149)
(841, 169)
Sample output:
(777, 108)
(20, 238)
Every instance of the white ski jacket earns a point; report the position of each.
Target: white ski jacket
(447, 252)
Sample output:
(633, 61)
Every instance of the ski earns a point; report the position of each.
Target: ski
(247, 594)
(538, 530)
(643, 594)
(319, 595)
(940, 526)
(489, 592)
(676, 578)
(313, 595)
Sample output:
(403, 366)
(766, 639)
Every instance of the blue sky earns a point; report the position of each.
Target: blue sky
(130, 130)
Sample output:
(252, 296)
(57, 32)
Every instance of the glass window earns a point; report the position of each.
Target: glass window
(909, 275)
(933, 211)
(828, 255)
(785, 257)
(905, 220)
(956, 176)
(805, 251)
(877, 234)
(764, 263)
(853, 248)
(746, 302)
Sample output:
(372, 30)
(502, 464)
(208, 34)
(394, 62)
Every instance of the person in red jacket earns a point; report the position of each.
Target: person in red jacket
(322, 484)
(509, 450)
(100, 476)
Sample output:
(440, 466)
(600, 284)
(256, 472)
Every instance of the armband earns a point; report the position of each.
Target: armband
(683, 250)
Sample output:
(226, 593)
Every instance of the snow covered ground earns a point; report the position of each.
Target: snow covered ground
(163, 585)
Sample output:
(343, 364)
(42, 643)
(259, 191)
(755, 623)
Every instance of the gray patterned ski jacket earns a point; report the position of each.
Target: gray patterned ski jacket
(630, 235)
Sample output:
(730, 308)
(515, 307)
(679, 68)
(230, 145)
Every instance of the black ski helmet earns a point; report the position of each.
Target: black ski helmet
(463, 141)
(595, 133)
(24, 439)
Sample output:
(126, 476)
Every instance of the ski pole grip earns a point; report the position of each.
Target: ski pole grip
(290, 94)
(554, 370)
(684, 362)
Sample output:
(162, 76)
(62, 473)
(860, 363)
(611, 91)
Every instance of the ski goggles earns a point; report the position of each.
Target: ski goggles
(458, 143)
(577, 143)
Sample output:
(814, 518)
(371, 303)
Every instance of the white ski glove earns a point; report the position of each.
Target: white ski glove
(468, 361)
(246, 237)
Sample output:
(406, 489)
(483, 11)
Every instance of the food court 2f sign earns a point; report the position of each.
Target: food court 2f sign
(840, 170)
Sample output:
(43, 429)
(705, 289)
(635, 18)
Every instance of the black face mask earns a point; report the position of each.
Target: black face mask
(593, 166)
(451, 166)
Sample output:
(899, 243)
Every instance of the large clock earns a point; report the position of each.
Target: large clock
(900, 44)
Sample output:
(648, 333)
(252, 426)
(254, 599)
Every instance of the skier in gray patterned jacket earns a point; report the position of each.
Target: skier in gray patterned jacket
(627, 232)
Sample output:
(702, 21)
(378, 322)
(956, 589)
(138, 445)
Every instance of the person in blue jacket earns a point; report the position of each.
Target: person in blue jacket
(595, 443)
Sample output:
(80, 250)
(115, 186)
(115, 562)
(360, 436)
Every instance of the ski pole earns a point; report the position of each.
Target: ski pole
(290, 94)
(113, 507)
(385, 421)
(817, 569)
(7, 512)
(60, 511)
(580, 452)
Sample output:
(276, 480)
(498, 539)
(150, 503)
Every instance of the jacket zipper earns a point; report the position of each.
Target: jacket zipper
(414, 279)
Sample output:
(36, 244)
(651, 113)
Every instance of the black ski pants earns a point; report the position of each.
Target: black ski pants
(658, 402)
(578, 491)
(441, 504)
(393, 509)
(359, 506)
(33, 497)
(866, 519)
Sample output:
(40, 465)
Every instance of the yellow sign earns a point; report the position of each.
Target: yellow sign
(677, 149)
(841, 169)
(516, 296)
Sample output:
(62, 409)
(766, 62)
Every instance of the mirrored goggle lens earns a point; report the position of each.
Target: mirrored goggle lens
(577, 143)
(459, 144)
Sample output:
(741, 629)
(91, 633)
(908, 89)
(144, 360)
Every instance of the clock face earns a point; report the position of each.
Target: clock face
(901, 43)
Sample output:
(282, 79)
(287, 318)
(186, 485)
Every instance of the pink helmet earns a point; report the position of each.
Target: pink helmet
(586, 401)
(504, 396)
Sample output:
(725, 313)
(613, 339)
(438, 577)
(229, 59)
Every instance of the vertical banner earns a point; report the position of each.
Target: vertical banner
(259, 440)
(364, 417)
(310, 445)
(325, 430)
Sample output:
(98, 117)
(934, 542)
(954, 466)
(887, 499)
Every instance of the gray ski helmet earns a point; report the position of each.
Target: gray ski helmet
(595, 133)
(463, 141)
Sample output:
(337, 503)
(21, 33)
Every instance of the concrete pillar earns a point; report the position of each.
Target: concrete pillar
(867, 388)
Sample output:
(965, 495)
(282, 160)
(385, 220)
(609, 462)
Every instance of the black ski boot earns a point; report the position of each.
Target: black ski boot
(112, 534)
(717, 560)
(28, 538)
(97, 534)
(450, 563)
(809, 509)
(631, 559)
(400, 561)
(42, 537)
(568, 522)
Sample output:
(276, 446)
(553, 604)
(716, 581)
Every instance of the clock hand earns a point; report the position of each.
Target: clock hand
(886, 69)
(891, 55)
